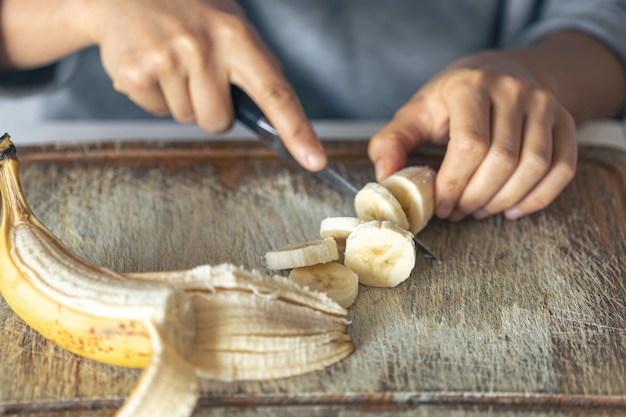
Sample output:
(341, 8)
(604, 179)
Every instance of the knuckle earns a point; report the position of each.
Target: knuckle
(512, 92)
(513, 86)
(504, 155)
(543, 101)
(296, 131)
(566, 172)
(168, 57)
(277, 92)
(467, 78)
(538, 161)
(476, 76)
(144, 74)
(131, 78)
(449, 187)
(188, 45)
(161, 61)
(233, 30)
(471, 144)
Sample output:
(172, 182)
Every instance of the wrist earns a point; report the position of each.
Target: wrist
(79, 17)
(36, 33)
(561, 62)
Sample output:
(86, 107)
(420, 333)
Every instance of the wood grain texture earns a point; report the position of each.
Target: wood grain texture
(524, 318)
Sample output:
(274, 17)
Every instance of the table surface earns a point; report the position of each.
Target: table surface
(524, 318)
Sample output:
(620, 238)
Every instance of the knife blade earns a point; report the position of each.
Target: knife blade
(248, 113)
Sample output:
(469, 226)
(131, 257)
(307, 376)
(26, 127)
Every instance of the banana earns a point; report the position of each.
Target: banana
(68, 300)
(303, 254)
(334, 279)
(375, 202)
(414, 188)
(381, 253)
(220, 322)
(338, 227)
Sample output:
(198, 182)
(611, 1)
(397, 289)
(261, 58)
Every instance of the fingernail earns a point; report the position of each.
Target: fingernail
(514, 213)
(379, 169)
(315, 160)
(480, 214)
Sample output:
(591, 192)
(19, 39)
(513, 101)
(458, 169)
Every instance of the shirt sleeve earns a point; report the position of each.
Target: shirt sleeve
(34, 81)
(603, 19)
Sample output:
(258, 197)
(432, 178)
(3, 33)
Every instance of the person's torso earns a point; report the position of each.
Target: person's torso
(346, 59)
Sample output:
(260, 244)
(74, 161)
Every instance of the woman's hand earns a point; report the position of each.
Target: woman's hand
(511, 146)
(170, 57)
(180, 57)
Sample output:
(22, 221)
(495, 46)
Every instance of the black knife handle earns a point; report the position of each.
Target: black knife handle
(246, 111)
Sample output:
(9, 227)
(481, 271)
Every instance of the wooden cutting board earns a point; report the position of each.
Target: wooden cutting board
(524, 318)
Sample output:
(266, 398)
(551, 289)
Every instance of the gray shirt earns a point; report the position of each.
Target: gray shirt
(349, 59)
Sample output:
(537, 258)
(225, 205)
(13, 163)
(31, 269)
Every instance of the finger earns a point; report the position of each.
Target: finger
(502, 158)
(150, 98)
(389, 147)
(204, 95)
(561, 171)
(175, 89)
(259, 75)
(469, 142)
(210, 97)
(535, 158)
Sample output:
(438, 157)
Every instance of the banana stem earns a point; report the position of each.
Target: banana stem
(14, 203)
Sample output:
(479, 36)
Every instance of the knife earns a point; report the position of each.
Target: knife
(248, 113)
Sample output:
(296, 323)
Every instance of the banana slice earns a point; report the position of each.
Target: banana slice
(338, 227)
(375, 202)
(381, 253)
(303, 254)
(337, 281)
(414, 188)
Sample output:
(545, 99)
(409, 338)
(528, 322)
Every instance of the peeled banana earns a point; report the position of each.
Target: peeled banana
(220, 322)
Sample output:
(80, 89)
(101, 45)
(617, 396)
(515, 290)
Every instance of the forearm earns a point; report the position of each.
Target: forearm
(37, 32)
(583, 74)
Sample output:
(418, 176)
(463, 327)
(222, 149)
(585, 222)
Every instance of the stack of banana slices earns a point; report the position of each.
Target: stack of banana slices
(220, 322)
(376, 248)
